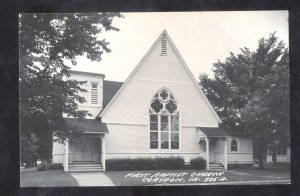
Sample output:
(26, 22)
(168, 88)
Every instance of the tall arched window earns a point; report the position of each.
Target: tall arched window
(234, 146)
(164, 121)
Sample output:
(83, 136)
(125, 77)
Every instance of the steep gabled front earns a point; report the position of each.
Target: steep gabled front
(162, 66)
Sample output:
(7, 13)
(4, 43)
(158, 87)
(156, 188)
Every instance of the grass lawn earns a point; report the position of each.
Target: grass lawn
(30, 177)
(55, 178)
(138, 178)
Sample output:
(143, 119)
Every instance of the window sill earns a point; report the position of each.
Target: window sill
(165, 150)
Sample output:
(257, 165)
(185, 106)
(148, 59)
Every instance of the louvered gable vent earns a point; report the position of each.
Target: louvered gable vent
(163, 46)
(94, 93)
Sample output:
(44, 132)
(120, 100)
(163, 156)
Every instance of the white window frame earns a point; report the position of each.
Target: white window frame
(91, 98)
(169, 149)
(237, 145)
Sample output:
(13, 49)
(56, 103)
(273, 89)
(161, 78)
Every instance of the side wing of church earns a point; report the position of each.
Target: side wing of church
(159, 111)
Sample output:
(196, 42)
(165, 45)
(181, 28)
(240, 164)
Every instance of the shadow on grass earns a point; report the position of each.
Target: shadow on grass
(30, 177)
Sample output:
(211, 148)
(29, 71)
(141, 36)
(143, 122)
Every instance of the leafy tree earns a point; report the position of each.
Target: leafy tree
(47, 42)
(29, 149)
(250, 92)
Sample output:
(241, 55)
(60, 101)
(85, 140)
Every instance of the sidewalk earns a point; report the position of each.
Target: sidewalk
(92, 179)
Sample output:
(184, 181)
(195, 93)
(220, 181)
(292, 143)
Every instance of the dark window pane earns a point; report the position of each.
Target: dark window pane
(233, 148)
(153, 126)
(164, 145)
(164, 127)
(164, 119)
(174, 145)
(94, 85)
(153, 118)
(164, 123)
(175, 127)
(153, 144)
(157, 106)
(171, 106)
(175, 137)
(164, 95)
(175, 119)
(153, 136)
(164, 136)
(233, 143)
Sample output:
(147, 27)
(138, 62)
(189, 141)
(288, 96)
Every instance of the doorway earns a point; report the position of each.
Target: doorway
(85, 149)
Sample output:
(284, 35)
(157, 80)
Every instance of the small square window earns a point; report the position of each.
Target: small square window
(94, 85)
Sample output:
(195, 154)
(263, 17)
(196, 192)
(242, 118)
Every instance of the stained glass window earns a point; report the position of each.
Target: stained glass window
(164, 121)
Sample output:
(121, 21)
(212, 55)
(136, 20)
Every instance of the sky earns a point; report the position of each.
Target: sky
(202, 38)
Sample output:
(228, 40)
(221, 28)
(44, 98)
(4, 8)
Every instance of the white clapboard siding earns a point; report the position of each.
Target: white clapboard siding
(132, 102)
(189, 140)
(243, 155)
(126, 138)
(131, 106)
(135, 139)
(58, 152)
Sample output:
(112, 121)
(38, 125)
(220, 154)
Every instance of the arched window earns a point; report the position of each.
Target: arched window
(234, 146)
(164, 121)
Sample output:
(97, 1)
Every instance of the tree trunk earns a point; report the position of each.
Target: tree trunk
(261, 161)
(274, 156)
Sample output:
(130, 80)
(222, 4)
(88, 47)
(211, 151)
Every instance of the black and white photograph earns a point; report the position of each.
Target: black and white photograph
(154, 98)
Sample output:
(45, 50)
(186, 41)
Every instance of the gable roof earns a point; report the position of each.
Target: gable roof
(214, 132)
(87, 73)
(163, 34)
(87, 125)
(110, 88)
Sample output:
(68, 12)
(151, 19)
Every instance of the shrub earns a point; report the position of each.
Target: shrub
(239, 166)
(127, 164)
(198, 163)
(50, 166)
(29, 150)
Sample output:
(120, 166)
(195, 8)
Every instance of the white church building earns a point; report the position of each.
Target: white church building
(159, 111)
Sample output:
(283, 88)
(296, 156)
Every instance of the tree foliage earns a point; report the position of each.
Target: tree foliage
(29, 150)
(47, 42)
(250, 92)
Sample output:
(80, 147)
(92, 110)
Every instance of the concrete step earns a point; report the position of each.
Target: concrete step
(216, 166)
(100, 167)
(85, 165)
(88, 166)
(85, 168)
